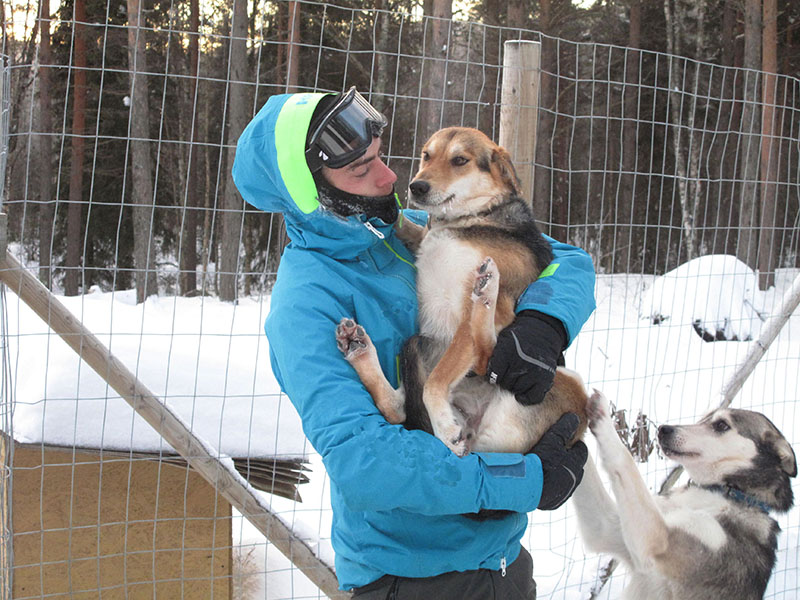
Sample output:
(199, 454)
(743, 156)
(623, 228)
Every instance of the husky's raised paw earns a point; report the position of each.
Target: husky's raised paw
(597, 410)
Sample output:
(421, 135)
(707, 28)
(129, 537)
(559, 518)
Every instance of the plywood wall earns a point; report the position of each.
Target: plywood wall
(111, 527)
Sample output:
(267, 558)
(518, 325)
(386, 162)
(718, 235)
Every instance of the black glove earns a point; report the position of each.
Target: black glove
(562, 467)
(526, 355)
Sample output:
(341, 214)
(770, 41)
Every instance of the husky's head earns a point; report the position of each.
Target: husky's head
(738, 448)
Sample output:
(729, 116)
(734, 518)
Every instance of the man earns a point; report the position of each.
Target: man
(399, 497)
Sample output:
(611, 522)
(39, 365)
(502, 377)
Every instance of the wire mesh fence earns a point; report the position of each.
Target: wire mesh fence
(679, 176)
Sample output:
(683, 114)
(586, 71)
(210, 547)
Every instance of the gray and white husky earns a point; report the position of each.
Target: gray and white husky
(714, 538)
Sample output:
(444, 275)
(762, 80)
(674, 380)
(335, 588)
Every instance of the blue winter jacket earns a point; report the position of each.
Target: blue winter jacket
(398, 496)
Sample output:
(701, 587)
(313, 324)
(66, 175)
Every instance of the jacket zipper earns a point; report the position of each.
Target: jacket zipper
(371, 227)
(381, 236)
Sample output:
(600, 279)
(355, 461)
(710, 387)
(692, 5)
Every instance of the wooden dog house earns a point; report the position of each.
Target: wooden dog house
(122, 524)
(86, 523)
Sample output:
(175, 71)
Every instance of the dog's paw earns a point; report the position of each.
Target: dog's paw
(597, 410)
(599, 413)
(487, 282)
(352, 340)
(450, 430)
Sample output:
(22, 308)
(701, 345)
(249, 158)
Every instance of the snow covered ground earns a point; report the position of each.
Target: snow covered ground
(210, 361)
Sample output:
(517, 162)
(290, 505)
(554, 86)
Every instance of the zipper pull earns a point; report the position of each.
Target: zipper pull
(503, 566)
(371, 227)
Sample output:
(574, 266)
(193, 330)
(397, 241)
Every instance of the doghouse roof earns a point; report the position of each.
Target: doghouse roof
(207, 359)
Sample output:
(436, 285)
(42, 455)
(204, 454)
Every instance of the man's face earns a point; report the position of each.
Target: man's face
(366, 176)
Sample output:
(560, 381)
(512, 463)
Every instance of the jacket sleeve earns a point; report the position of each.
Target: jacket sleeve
(565, 289)
(377, 466)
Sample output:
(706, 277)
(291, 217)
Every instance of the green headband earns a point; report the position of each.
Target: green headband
(291, 129)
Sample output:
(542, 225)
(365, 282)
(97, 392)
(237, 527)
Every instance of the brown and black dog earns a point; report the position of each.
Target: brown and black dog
(480, 251)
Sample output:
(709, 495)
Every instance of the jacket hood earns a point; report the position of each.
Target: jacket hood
(271, 173)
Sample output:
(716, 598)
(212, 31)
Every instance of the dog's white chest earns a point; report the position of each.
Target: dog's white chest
(444, 266)
(694, 511)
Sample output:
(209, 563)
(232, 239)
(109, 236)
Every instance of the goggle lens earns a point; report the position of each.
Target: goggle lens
(345, 134)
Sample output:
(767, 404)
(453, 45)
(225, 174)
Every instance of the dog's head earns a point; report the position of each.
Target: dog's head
(462, 172)
(739, 448)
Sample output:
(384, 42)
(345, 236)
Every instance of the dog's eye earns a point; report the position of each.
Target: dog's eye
(459, 161)
(720, 426)
(426, 156)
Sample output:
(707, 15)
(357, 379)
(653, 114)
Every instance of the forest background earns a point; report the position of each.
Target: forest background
(667, 130)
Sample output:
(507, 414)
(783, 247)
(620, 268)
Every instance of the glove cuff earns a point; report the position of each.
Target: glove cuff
(559, 331)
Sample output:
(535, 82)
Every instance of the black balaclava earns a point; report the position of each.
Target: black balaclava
(345, 205)
(342, 203)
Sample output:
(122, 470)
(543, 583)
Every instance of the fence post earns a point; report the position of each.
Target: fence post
(6, 448)
(519, 107)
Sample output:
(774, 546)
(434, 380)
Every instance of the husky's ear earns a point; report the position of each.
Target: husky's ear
(503, 168)
(784, 450)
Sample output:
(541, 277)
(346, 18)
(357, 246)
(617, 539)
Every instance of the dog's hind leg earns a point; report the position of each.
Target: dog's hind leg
(643, 528)
(359, 351)
(449, 425)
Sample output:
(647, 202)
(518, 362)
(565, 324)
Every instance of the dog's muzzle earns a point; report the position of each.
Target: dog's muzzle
(419, 190)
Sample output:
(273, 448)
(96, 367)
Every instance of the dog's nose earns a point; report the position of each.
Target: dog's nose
(665, 431)
(419, 188)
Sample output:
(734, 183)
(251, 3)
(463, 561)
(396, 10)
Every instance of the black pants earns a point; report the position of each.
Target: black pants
(483, 584)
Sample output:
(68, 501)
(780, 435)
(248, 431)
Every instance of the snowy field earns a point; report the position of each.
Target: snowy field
(209, 360)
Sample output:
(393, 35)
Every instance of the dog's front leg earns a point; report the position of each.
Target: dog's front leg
(598, 519)
(470, 348)
(643, 527)
(411, 234)
(484, 310)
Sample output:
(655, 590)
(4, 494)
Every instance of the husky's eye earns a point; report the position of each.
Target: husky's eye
(459, 161)
(720, 426)
(426, 156)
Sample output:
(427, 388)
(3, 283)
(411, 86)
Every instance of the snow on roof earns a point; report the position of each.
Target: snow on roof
(209, 360)
(717, 293)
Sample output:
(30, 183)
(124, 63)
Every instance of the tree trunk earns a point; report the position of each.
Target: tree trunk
(73, 278)
(206, 246)
(280, 53)
(232, 204)
(542, 177)
(45, 154)
(630, 97)
(434, 71)
(725, 208)
(747, 248)
(517, 14)
(141, 164)
(293, 61)
(767, 258)
(188, 250)
(685, 151)
(381, 49)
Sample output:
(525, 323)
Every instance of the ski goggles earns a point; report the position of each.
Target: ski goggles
(345, 133)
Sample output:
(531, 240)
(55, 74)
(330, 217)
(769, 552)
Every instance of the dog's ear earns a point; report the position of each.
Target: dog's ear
(784, 450)
(503, 168)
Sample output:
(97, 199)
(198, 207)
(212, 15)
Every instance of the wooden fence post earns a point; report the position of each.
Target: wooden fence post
(519, 108)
